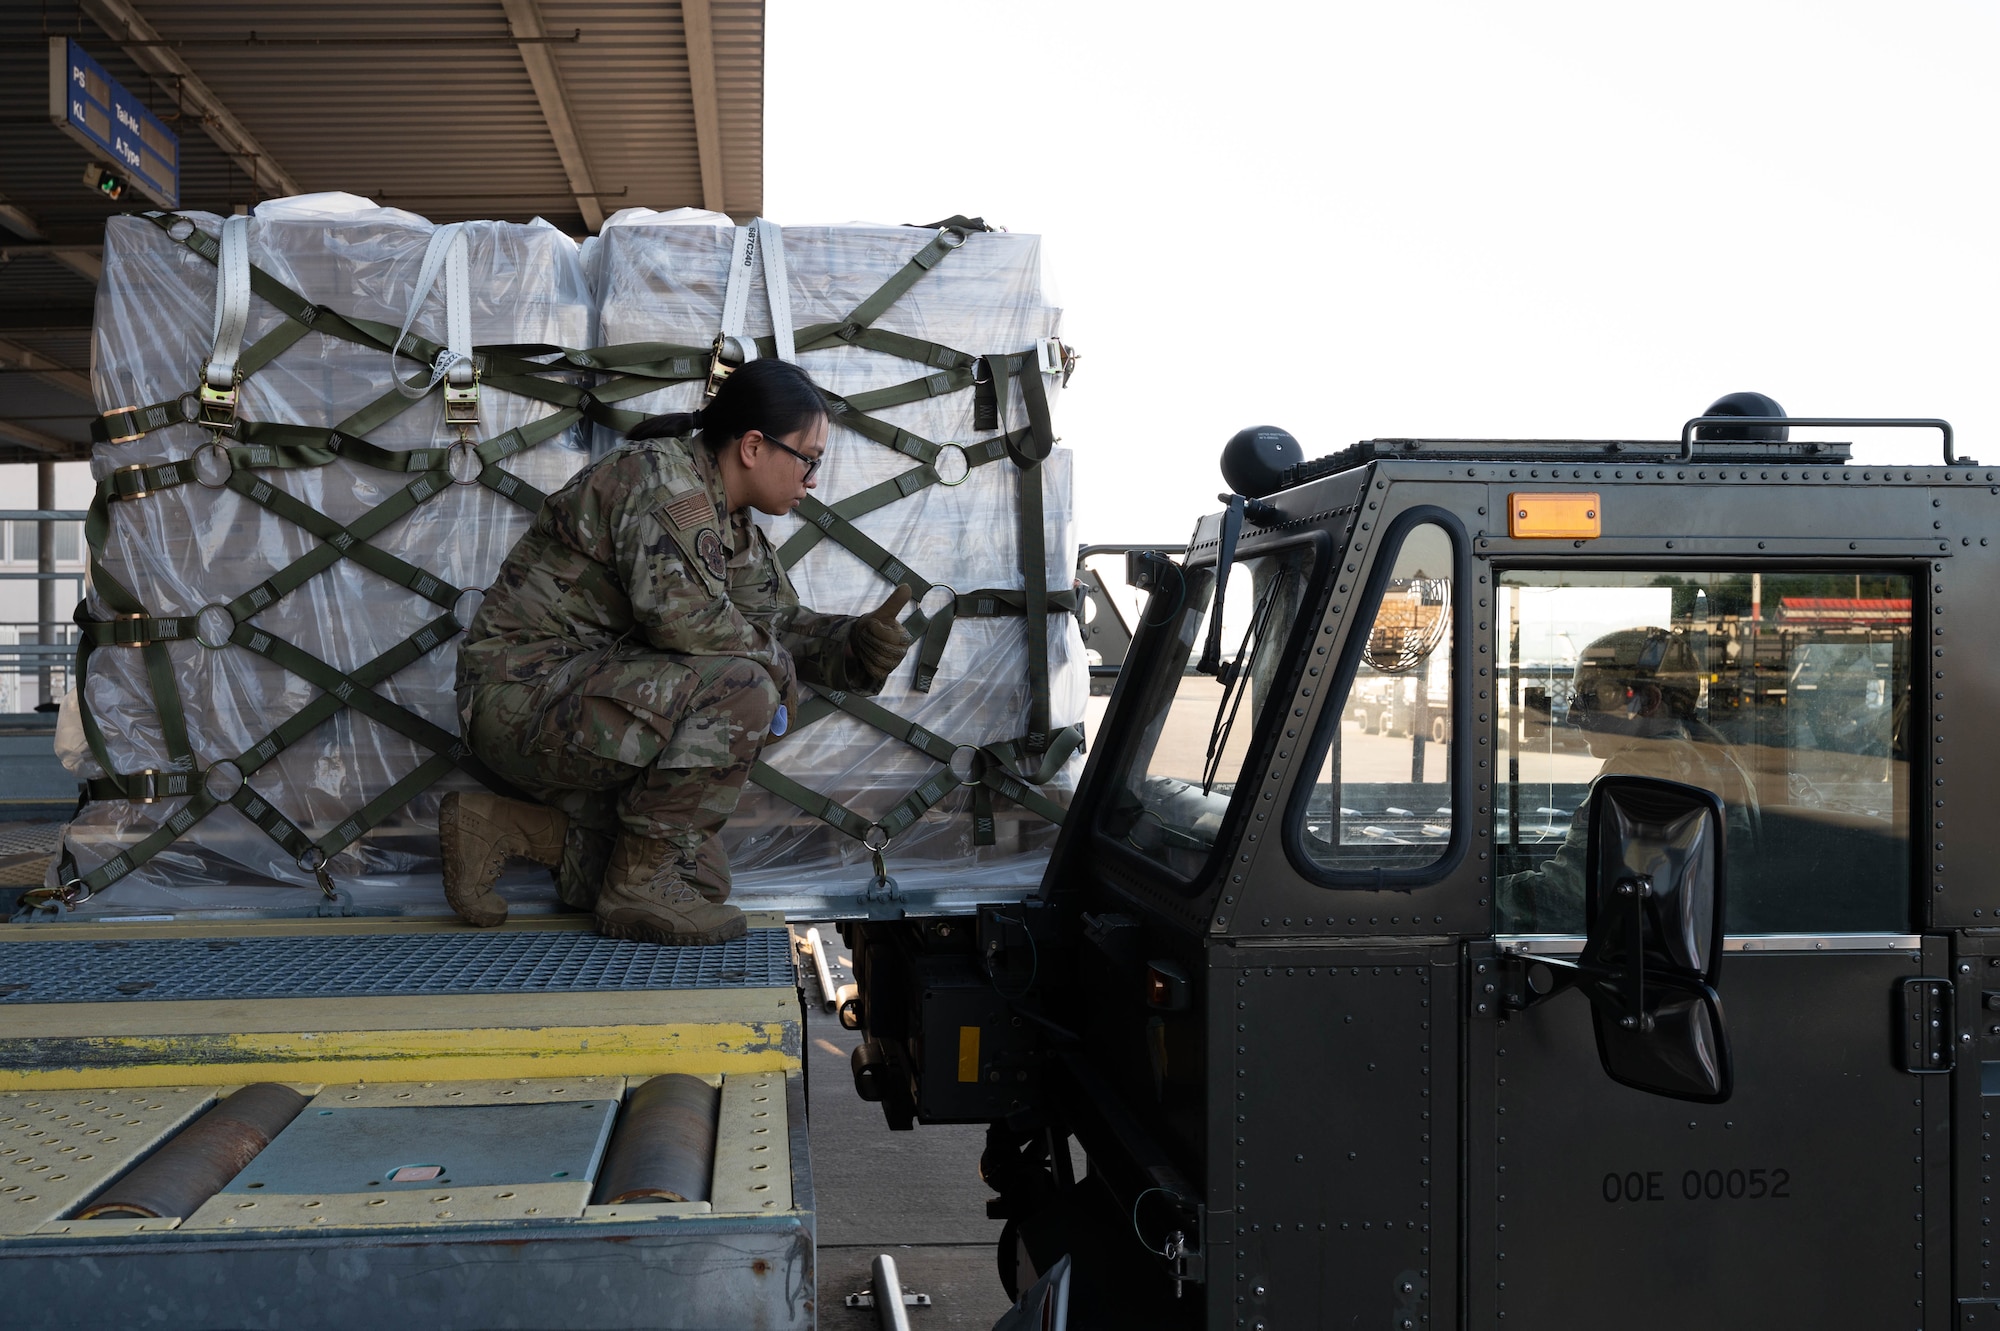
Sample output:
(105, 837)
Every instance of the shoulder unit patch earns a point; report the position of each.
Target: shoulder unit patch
(713, 557)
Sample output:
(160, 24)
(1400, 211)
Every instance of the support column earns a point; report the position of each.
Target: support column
(45, 587)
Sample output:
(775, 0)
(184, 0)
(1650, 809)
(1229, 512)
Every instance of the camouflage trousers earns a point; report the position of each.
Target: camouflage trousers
(639, 741)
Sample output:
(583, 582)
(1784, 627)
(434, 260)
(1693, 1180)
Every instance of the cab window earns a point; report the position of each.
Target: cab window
(1382, 798)
(1786, 693)
(1191, 749)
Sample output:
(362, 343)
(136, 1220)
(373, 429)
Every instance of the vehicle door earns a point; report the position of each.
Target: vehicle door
(1818, 1193)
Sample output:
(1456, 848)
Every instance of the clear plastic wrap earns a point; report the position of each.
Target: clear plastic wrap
(663, 278)
(189, 546)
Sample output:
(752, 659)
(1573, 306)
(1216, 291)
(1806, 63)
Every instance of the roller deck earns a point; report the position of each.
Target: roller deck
(462, 1090)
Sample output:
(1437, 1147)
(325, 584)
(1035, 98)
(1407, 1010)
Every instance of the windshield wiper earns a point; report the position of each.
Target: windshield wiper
(1235, 675)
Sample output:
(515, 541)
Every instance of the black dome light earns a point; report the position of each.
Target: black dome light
(1752, 405)
(1254, 461)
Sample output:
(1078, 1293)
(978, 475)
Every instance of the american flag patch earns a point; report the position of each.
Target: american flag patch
(693, 509)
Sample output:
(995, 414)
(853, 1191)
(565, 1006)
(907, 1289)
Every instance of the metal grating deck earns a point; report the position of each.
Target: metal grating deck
(379, 965)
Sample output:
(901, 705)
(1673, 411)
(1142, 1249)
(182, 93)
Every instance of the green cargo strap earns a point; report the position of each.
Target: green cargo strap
(985, 604)
(128, 423)
(903, 441)
(351, 828)
(339, 541)
(814, 803)
(198, 807)
(331, 680)
(994, 764)
(1011, 753)
(142, 479)
(936, 384)
(930, 256)
(880, 495)
(663, 361)
(146, 787)
(934, 354)
(861, 545)
(291, 446)
(929, 791)
(959, 220)
(138, 630)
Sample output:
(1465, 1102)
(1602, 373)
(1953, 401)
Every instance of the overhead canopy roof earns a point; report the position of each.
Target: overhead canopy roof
(455, 109)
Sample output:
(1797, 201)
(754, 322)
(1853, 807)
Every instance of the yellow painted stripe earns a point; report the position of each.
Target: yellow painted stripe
(398, 1055)
(968, 1053)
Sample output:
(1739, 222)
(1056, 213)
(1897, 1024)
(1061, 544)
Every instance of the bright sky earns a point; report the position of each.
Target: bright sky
(1432, 217)
(1428, 217)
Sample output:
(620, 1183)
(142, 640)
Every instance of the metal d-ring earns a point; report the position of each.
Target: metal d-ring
(228, 776)
(945, 587)
(964, 460)
(974, 764)
(205, 465)
(463, 449)
(875, 830)
(74, 892)
(205, 626)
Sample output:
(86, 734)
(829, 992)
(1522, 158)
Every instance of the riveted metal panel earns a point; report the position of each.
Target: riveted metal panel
(1976, 1140)
(1814, 1197)
(1339, 1096)
(1955, 696)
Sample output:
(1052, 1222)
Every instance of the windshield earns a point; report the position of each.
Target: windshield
(1192, 745)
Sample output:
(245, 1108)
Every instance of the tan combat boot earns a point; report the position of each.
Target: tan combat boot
(648, 896)
(477, 831)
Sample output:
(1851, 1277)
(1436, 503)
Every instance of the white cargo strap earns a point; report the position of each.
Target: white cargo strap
(448, 250)
(777, 289)
(758, 245)
(232, 303)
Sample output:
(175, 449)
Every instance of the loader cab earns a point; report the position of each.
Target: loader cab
(1400, 1065)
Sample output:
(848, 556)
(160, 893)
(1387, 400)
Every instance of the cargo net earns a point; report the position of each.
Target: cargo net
(238, 448)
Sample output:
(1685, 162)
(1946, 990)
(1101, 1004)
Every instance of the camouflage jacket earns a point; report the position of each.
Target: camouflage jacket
(640, 547)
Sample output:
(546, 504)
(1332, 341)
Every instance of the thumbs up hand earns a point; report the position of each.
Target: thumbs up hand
(879, 642)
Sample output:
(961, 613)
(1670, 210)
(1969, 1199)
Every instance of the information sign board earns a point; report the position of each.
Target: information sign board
(104, 116)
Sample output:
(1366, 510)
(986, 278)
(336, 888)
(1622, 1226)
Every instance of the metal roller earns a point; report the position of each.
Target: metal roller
(176, 1179)
(664, 1148)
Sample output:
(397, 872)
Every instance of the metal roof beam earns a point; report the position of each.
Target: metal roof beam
(35, 439)
(87, 260)
(699, 35)
(52, 371)
(83, 260)
(123, 23)
(524, 20)
(19, 221)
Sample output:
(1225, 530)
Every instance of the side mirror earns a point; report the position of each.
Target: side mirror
(1653, 903)
(1653, 895)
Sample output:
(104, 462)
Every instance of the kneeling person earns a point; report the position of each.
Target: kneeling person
(632, 657)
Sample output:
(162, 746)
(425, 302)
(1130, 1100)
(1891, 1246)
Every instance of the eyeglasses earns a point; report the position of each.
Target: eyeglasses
(812, 464)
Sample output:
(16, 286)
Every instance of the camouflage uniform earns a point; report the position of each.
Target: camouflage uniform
(1550, 897)
(628, 660)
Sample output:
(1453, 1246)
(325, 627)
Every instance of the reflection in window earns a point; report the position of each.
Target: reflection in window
(1784, 693)
(1191, 750)
(1383, 797)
